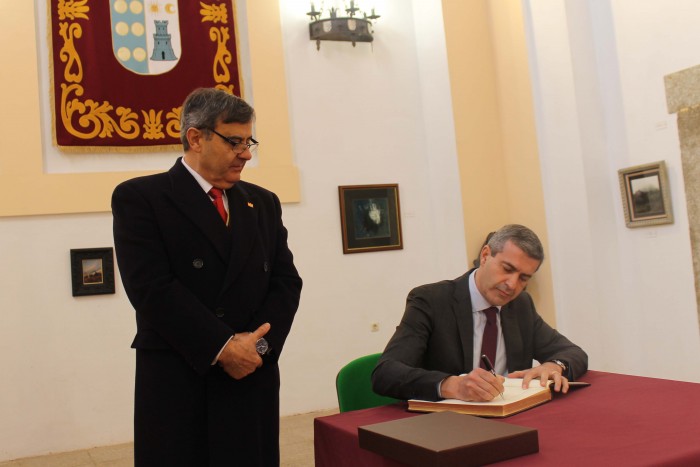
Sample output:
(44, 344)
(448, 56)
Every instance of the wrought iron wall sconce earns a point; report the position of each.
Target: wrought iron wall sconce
(350, 28)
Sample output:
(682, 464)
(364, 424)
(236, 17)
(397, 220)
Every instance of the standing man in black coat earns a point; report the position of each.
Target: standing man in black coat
(204, 260)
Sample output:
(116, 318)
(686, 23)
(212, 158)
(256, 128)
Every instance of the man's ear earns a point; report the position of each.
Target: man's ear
(195, 137)
(485, 253)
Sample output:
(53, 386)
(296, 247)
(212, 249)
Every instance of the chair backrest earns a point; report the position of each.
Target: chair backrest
(354, 385)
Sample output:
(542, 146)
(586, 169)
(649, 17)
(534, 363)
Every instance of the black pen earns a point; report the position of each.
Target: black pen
(487, 363)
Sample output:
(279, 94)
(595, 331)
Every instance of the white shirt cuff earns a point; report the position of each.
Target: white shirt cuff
(216, 359)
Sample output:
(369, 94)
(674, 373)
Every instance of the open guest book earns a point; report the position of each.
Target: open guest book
(515, 399)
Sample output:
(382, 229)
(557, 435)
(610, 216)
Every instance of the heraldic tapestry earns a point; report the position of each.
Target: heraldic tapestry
(122, 68)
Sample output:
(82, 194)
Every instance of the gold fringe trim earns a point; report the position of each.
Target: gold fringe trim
(119, 149)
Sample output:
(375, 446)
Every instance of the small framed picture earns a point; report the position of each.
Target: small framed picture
(92, 271)
(646, 199)
(370, 218)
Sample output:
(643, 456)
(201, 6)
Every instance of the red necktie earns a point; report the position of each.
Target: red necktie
(490, 339)
(218, 196)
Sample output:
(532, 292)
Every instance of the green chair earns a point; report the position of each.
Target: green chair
(354, 385)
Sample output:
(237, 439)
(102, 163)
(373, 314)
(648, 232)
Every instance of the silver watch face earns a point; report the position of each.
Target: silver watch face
(261, 346)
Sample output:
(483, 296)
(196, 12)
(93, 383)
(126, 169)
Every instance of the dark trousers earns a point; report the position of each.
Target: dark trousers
(184, 419)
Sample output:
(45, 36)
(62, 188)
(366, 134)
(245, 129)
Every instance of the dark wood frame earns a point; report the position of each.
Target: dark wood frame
(102, 283)
(360, 234)
(643, 208)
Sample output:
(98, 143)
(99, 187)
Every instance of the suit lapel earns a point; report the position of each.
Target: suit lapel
(194, 204)
(243, 229)
(462, 309)
(233, 243)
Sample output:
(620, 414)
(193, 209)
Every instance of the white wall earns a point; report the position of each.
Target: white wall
(67, 368)
(359, 116)
(362, 115)
(626, 295)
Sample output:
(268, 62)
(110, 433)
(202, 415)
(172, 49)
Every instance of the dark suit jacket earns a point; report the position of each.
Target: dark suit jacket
(435, 340)
(193, 283)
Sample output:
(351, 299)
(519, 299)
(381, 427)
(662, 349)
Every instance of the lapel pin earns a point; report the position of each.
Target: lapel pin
(250, 205)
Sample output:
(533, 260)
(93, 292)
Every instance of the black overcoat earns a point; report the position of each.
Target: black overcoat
(193, 283)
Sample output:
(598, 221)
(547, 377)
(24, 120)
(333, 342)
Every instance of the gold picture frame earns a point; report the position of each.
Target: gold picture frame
(646, 197)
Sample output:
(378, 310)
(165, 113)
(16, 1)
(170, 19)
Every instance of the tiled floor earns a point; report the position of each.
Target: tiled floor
(296, 449)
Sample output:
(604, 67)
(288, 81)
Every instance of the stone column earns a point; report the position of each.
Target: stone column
(683, 99)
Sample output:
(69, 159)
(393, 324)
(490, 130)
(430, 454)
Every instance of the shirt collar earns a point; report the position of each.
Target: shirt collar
(478, 301)
(206, 186)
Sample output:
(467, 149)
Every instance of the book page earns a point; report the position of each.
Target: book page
(513, 392)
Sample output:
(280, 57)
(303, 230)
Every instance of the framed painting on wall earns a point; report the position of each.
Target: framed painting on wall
(646, 198)
(370, 218)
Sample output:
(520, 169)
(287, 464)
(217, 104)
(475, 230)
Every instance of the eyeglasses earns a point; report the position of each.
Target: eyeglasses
(239, 146)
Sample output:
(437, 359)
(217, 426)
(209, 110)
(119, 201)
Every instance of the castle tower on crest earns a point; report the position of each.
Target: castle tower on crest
(162, 48)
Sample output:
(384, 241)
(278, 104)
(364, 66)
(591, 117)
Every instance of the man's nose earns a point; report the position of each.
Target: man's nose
(512, 281)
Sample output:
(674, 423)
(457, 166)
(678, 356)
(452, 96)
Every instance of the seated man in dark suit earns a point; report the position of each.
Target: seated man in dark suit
(436, 350)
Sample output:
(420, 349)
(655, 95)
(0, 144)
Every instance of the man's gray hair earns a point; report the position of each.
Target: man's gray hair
(204, 108)
(521, 236)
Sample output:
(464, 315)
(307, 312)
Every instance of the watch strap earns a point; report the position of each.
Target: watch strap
(563, 365)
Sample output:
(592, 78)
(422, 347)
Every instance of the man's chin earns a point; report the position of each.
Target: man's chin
(500, 300)
(232, 179)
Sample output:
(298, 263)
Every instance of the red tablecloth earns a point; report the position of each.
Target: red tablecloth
(618, 420)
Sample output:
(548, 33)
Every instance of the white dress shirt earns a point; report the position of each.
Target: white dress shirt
(479, 304)
(206, 186)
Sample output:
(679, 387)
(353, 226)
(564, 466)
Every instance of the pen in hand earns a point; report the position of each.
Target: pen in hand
(487, 363)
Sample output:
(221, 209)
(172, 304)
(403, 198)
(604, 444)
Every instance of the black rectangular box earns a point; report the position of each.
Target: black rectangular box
(446, 439)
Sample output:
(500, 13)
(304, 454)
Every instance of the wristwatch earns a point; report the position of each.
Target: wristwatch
(262, 346)
(561, 364)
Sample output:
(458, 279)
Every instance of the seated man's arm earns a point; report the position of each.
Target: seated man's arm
(545, 344)
(550, 345)
(401, 371)
(404, 370)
